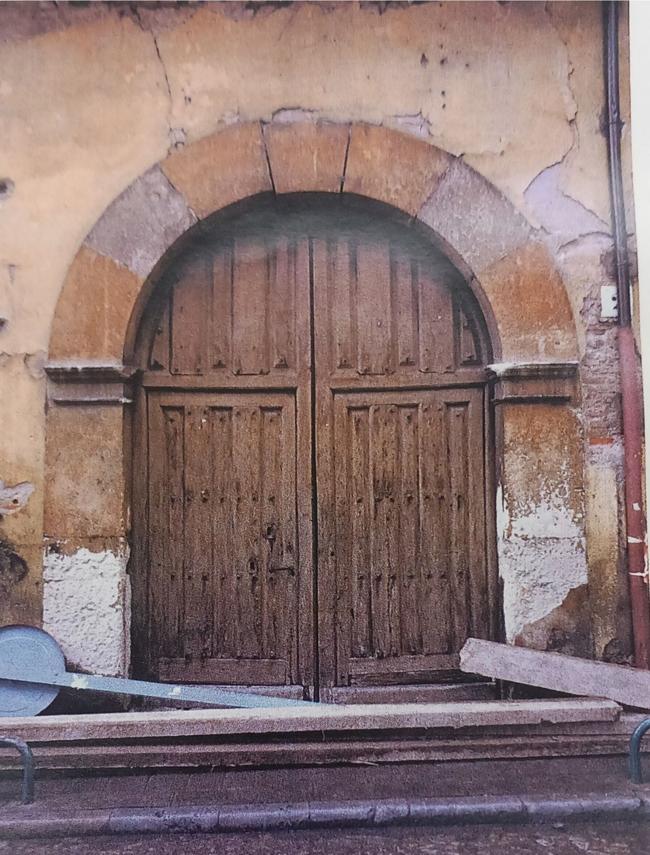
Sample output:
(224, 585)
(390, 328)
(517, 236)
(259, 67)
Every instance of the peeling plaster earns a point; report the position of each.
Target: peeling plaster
(7, 282)
(561, 216)
(14, 499)
(86, 607)
(289, 115)
(35, 364)
(537, 576)
(541, 512)
(416, 125)
(541, 559)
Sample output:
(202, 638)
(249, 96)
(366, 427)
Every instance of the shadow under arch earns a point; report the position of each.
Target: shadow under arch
(317, 214)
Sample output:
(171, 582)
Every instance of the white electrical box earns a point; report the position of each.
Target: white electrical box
(608, 303)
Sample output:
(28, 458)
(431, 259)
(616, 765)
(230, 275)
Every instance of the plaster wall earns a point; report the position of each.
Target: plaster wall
(94, 96)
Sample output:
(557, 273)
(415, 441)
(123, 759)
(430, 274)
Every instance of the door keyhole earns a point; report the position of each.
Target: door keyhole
(271, 535)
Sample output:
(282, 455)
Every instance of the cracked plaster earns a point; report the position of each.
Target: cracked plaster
(563, 218)
(175, 77)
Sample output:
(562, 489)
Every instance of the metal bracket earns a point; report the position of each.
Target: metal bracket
(635, 751)
(27, 794)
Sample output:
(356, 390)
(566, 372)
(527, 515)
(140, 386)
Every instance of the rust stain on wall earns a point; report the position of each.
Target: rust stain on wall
(567, 629)
(13, 567)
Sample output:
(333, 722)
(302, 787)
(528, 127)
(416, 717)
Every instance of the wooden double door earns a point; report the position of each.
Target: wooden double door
(310, 462)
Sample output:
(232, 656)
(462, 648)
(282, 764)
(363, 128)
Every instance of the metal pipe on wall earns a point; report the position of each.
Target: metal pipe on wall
(631, 400)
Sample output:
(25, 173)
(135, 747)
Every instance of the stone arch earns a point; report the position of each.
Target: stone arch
(507, 265)
(511, 271)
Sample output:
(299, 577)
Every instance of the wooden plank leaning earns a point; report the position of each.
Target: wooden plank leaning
(555, 671)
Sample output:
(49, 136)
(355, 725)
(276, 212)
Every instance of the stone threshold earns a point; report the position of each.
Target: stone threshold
(223, 739)
(304, 719)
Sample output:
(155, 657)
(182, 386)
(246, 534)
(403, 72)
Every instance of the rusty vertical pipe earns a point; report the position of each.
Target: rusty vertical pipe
(635, 519)
(630, 386)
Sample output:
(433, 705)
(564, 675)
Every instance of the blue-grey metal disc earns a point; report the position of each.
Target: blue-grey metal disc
(27, 649)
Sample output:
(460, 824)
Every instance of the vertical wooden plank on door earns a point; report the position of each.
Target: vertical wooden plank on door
(159, 352)
(341, 305)
(374, 314)
(325, 471)
(469, 350)
(405, 310)
(479, 593)
(282, 305)
(250, 335)
(221, 309)
(354, 516)
(157, 531)
(384, 445)
(246, 487)
(436, 333)
(189, 317)
(199, 569)
(409, 546)
(139, 565)
(303, 486)
(224, 628)
(488, 506)
(456, 431)
(166, 525)
(277, 455)
(433, 570)
(343, 561)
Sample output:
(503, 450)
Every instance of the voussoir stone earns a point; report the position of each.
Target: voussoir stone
(479, 223)
(142, 223)
(220, 169)
(309, 156)
(392, 167)
(530, 305)
(94, 309)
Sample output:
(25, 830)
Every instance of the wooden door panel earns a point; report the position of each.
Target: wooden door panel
(409, 556)
(235, 311)
(387, 314)
(400, 465)
(224, 571)
(294, 366)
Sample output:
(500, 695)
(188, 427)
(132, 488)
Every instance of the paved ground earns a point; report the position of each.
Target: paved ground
(611, 839)
(577, 777)
(553, 777)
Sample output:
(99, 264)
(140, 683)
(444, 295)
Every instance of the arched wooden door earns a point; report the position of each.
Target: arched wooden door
(310, 473)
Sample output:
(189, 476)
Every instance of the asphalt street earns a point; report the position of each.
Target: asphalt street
(615, 838)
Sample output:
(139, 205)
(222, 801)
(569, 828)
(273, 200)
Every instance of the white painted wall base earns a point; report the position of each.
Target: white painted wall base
(86, 607)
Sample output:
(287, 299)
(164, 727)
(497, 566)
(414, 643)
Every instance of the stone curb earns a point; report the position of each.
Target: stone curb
(360, 814)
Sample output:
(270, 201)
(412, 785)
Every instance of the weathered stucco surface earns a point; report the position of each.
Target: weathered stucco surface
(540, 504)
(86, 608)
(94, 97)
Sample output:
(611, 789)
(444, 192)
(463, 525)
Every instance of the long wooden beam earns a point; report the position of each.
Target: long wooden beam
(555, 671)
(320, 717)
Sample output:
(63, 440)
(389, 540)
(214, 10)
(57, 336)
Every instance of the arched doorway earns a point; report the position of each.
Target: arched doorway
(311, 455)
